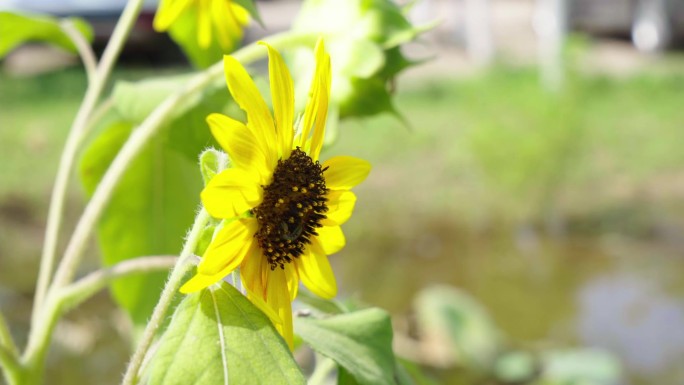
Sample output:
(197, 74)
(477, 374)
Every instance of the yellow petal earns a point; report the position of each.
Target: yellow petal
(204, 23)
(259, 302)
(231, 192)
(318, 81)
(315, 272)
(278, 298)
(247, 96)
(201, 281)
(224, 23)
(252, 271)
(229, 247)
(345, 172)
(240, 144)
(340, 207)
(323, 96)
(240, 14)
(331, 239)
(282, 95)
(292, 280)
(168, 13)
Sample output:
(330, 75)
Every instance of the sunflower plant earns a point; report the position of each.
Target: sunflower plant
(265, 207)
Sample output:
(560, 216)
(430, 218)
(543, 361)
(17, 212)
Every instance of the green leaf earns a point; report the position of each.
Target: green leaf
(154, 203)
(134, 101)
(150, 211)
(328, 306)
(448, 314)
(16, 29)
(219, 337)
(212, 162)
(360, 342)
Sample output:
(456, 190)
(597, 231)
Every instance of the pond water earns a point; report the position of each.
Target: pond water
(609, 292)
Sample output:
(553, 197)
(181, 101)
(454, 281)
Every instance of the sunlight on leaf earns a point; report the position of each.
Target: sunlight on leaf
(16, 29)
(218, 333)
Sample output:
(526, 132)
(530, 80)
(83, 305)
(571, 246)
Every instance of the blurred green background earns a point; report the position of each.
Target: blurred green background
(559, 214)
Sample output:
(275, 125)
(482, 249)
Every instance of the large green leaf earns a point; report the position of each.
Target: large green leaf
(219, 337)
(16, 29)
(154, 203)
(360, 342)
(150, 211)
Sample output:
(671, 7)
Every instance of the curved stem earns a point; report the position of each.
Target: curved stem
(170, 290)
(77, 292)
(83, 47)
(6, 339)
(10, 366)
(61, 300)
(78, 130)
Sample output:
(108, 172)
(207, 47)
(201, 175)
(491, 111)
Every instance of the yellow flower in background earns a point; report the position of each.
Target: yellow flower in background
(222, 20)
(283, 208)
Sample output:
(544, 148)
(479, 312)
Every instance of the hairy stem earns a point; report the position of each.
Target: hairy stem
(76, 134)
(170, 290)
(77, 292)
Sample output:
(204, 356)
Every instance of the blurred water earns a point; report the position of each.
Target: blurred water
(617, 294)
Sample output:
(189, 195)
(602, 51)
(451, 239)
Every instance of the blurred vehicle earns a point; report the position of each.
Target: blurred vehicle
(143, 43)
(653, 25)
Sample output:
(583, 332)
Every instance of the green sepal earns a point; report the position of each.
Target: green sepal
(212, 162)
(251, 9)
(16, 29)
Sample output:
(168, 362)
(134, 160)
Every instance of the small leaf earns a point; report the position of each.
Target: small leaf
(360, 342)
(219, 337)
(16, 29)
(212, 162)
(448, 315)
(134, 101)
(328, 306)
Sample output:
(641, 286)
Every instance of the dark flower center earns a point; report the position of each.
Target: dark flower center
(294, 205)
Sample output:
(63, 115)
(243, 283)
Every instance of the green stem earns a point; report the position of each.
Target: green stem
(324, 366)
(74, 294)
(6, 339)
(12, 370)
(83, 48)
(76, 134)
(170, 290)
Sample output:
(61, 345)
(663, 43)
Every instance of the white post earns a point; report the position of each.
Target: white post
(478, 32)
(551, 25)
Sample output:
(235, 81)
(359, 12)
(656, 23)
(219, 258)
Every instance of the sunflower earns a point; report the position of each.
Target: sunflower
(282, 208)
(222, 19)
